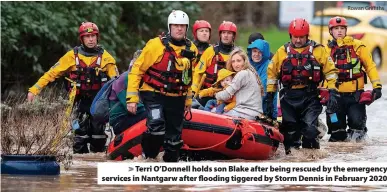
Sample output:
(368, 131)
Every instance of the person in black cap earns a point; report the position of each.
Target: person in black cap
(255, 36)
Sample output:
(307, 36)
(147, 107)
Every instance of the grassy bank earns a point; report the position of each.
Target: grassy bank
(273, 35)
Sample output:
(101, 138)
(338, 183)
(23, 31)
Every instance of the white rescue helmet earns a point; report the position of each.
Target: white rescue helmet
(178, 17)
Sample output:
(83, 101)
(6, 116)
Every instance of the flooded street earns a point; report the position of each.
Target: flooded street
(82, 175)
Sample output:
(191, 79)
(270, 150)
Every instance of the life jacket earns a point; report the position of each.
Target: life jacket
(200, 53)
(90, 78)
(346, 60)
(164, 76)
(301, 68)
(217, 63)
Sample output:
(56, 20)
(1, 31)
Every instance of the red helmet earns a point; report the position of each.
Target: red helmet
(198, 25)
(87, 28)
(299, 27)
(337, 21)
(228, 26)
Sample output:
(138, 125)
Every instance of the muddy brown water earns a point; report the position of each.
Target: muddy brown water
(82, 175)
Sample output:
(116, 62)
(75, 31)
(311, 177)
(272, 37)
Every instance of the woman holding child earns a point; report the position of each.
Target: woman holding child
(245, 86)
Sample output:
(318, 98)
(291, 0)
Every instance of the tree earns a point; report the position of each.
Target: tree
(34, 35)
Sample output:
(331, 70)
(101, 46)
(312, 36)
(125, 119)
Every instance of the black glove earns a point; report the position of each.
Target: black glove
(269, 104)
(333, 102)
(377, 93)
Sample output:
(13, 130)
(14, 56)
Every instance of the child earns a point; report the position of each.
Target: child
(224, 78)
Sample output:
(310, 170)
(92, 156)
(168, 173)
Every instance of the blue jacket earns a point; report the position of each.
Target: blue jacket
(261, 68)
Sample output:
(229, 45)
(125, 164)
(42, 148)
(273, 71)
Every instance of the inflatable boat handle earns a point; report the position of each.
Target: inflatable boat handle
(247, 133)
(188, 113)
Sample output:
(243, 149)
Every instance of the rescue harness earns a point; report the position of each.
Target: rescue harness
(347, 61)
(301, 68)
(164, 76)
(89, 79)
(201, 48)
(217, 63)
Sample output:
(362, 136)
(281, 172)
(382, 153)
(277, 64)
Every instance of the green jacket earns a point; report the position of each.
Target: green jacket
(118, 99)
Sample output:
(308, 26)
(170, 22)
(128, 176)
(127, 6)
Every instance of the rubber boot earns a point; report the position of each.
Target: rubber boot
(171, 156)
(80, 144)
(310, 143)
(356, 135)
(151, 145)
(97, 145)
(339, 136)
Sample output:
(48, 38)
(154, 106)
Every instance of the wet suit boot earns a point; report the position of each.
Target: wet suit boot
(356, 135)
(151, 144)
(310, 143)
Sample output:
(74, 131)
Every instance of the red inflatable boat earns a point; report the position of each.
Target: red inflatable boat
(229, 136)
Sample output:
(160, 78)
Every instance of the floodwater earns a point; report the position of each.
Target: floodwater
(82, 175)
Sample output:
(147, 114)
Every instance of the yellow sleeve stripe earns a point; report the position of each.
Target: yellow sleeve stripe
(331, 76)
(272, 81)
(37, 86)
(131, 93)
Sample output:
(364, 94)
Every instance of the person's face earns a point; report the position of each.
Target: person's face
(178, 31)
(299, 41)
(256, 55)
(338, 32)
(226, 81)
(227, 37)
(90, 40)
(203, 34)
(237, 62)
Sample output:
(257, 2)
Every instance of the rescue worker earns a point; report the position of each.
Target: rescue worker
(161, 76)
(201, 31)
(214, 59)
(351, 56)
(300, 66)
(90, 66)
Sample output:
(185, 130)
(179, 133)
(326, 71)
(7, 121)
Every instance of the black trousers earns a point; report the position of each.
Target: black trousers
(300, 111)
(126, 121)
(165, 117)
(350, 108)
(89, 131)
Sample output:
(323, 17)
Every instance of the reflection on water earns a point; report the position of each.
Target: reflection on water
(82, 176)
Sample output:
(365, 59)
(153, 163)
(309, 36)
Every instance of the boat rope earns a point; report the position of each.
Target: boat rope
(238, 125)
